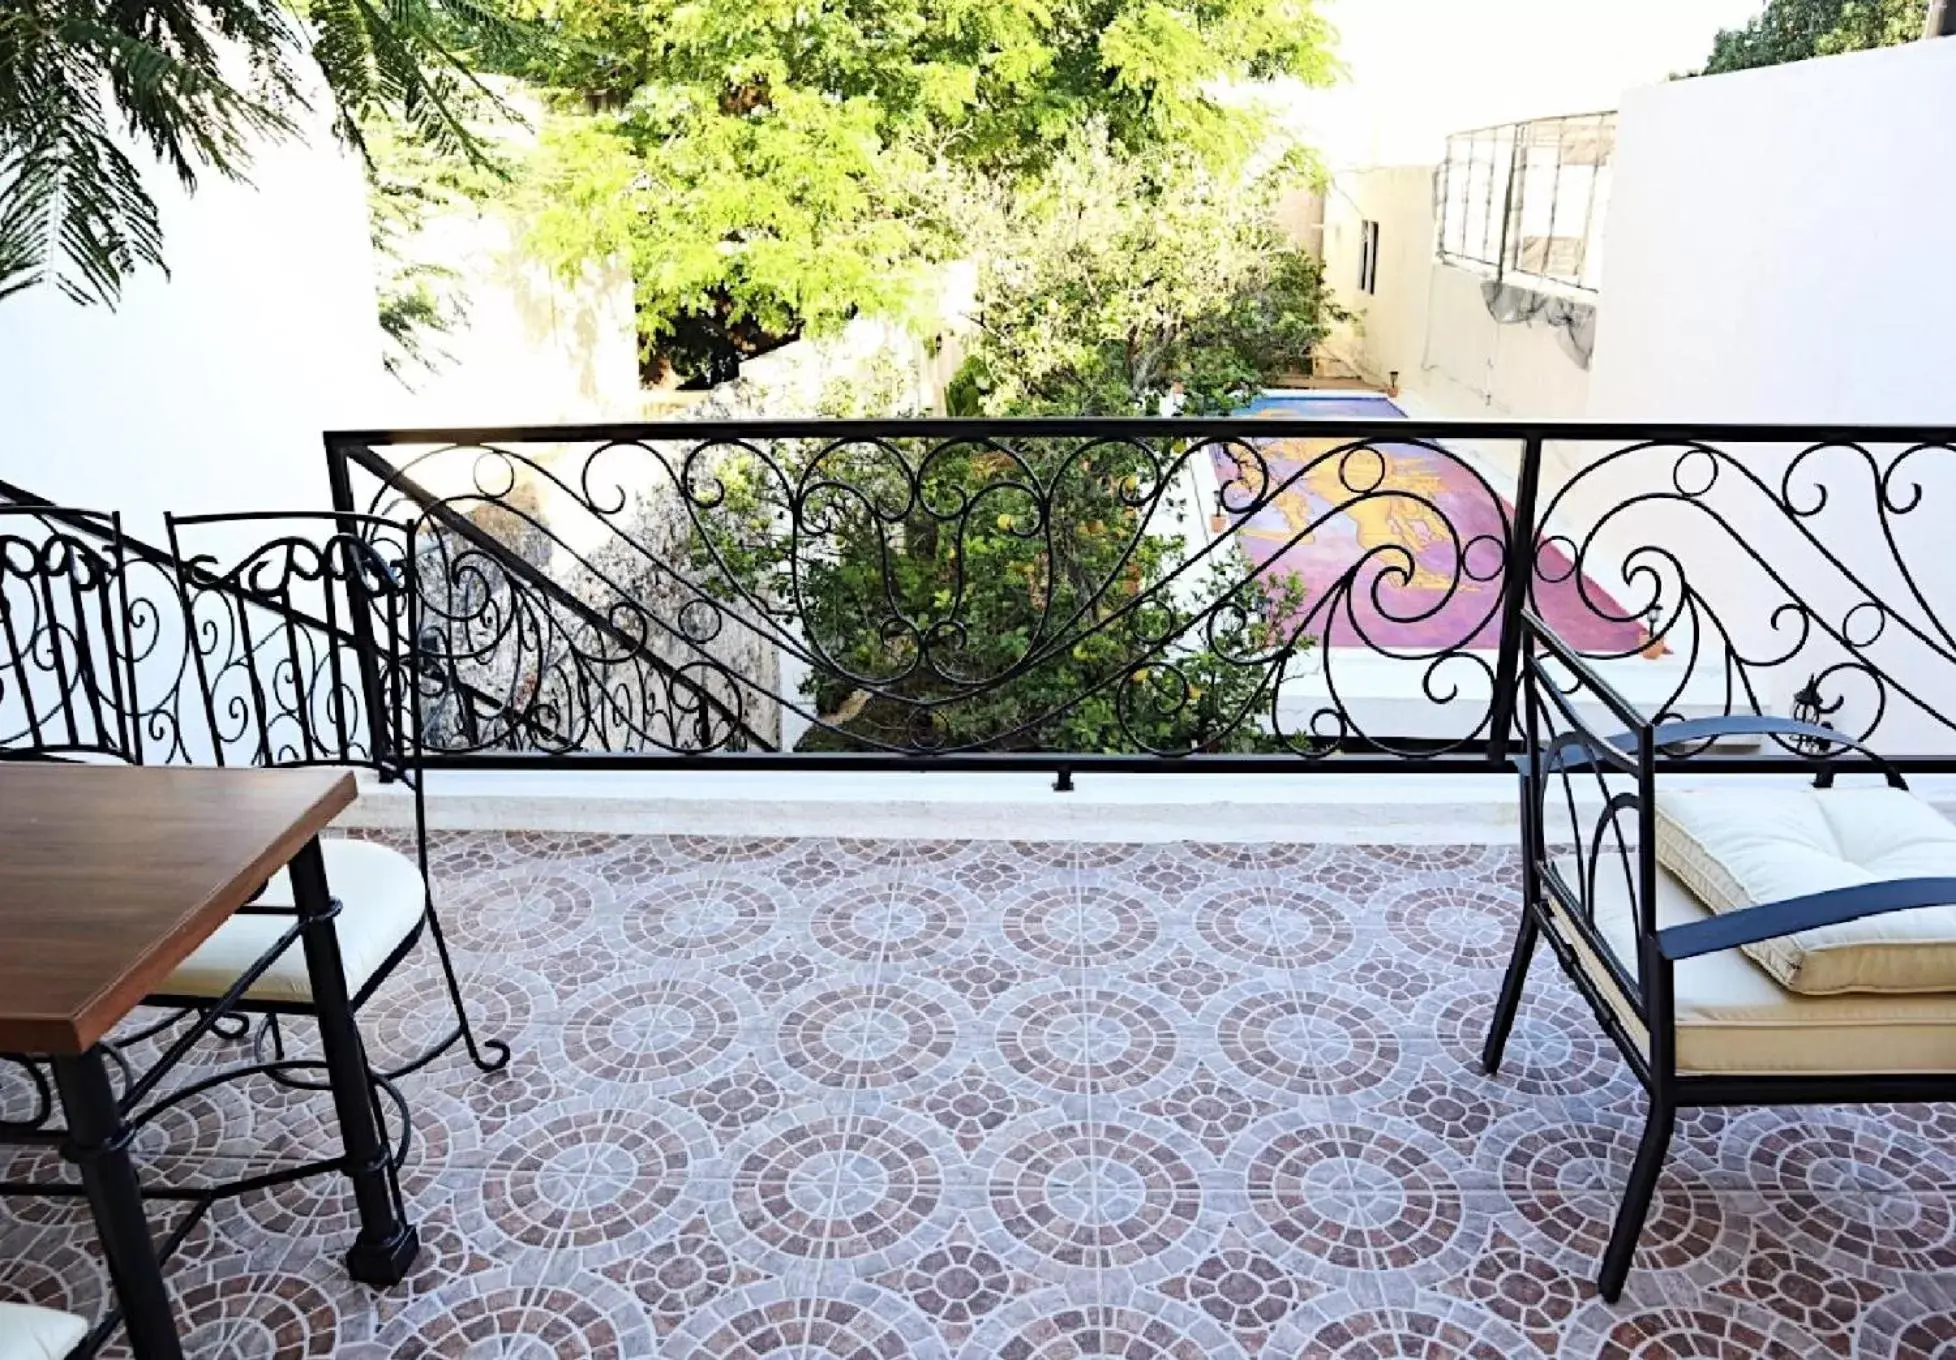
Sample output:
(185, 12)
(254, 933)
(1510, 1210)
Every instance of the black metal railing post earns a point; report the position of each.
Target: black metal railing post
(380, 736)
(1516, 573)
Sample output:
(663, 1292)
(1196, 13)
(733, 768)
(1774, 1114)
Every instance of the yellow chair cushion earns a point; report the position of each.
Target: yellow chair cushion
(1732, 1017)
(1740, 848)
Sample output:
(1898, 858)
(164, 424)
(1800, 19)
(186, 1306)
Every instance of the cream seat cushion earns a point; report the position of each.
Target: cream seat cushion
(381, 900)
(1740, 849)
(1732, 1017)
(29, 1333)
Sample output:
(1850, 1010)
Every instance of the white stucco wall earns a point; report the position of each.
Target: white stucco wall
(1779, 252)
(1779, 244)
(206, 390)
(1428, 321)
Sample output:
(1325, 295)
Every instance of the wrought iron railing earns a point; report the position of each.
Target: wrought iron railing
(1063, 595)
(1233, 594)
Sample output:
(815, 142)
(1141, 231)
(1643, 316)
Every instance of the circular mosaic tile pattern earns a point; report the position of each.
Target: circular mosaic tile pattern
(1354, 1198)
(1081, 924)
(501, 1314)
(1273, 928)
(533, 1188)
(638, 1162)
(1071, 1041)
(766, 1321)
(1124, 1323)
(680, 1274)
(650, 1030)
(1700, 1333)
(1820, 1302)
(247, 1316)
(55, 1268)
(1823, 1155)
(717, 918)
(1555, 1049)
(1903, 1230)
(1456, 925)
(831, 1188)
(1428, 1328)
(411, 1012)
(856, 1037)
(729, 849)
(1434, 859)
(898, 923)
(1242, 1289)
(1317, 1044)
(1567, 1181)
(957, 1283)
(1098, 1196)
(530, 910)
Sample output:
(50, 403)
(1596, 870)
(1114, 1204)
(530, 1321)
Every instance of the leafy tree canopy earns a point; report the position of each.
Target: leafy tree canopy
(1793, 30)
(1113, 282)
(759, 162)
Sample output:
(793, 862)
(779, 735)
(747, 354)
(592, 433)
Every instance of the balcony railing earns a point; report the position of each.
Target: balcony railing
(1227, 595)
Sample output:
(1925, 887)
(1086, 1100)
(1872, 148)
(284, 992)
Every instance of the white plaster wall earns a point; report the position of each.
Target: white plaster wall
(530, 349)
(1779, 244)
(1428, 321)
(206, 390)
(1778, 247)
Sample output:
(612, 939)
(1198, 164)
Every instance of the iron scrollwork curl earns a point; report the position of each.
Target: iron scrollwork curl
(908, 593)
(1762, 590)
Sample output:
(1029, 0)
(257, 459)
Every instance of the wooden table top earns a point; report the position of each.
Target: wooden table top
(110, 876)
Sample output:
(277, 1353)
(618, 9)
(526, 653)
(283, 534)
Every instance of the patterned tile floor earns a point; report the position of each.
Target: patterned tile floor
(883, 1099)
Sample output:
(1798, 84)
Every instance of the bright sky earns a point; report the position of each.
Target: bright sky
(1419, 69)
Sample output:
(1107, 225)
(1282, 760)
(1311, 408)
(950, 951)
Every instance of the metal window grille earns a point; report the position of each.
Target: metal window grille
(1529, 199)
(1368, 257)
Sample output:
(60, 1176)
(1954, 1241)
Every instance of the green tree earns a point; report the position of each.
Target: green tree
(758, 162)
(1793, 30)
(1115, 281)
(1025, 594)
(197, 83)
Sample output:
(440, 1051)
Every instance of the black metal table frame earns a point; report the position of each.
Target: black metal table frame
(101, 1126)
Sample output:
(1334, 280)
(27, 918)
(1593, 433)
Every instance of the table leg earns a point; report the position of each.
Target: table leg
(387, 1244)
(98, 1144)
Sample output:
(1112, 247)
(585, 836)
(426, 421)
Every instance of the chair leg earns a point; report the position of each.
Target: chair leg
(1636, 1200)
(1504, 1010)
(489, 1055)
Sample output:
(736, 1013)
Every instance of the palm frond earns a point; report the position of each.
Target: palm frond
(73, 207)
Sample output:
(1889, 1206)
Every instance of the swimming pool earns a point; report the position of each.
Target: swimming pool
(1398, 544)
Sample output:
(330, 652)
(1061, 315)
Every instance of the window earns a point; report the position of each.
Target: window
(1368, 256)
(1529, 199)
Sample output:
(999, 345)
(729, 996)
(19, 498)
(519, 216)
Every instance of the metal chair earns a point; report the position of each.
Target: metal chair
(1697, 1022)
(67, 677)
(301, 628)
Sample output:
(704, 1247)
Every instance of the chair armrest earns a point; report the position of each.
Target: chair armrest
(1770, 920)
(1709, 729)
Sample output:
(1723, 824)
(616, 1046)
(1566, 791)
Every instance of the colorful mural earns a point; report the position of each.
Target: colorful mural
(1431, 503)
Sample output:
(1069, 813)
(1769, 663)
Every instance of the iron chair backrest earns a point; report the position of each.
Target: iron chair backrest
(300, 625)
(67, 651)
